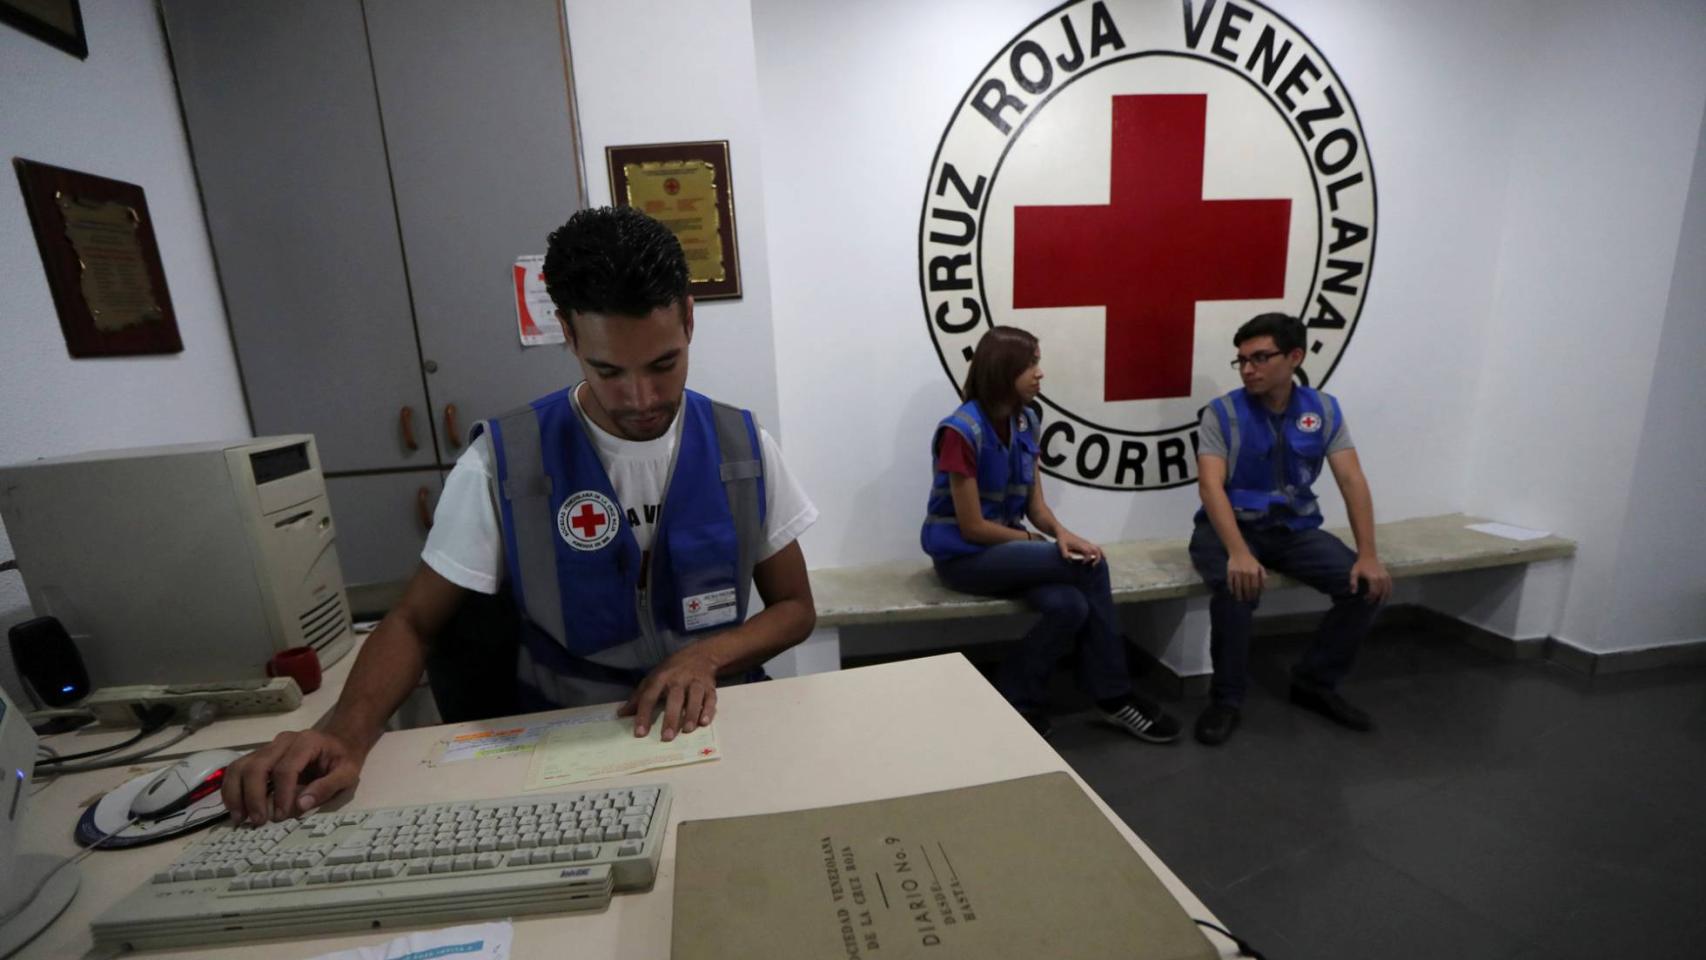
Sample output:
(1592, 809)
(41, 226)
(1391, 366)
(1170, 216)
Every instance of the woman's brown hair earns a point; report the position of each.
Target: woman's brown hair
(1002, 354)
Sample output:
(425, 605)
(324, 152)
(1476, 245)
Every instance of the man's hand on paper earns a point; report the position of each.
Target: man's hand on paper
(686, 686)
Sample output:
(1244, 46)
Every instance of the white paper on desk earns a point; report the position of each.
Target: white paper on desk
(589, 751)
(1509, 532)
(476, 941)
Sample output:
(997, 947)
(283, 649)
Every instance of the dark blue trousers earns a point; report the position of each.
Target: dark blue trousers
(1077, 612)
(1312, 557)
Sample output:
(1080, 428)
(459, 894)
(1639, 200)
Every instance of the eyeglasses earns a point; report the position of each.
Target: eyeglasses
(1254, 359)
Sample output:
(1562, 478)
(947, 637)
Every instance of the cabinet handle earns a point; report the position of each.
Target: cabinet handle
(450, 432)
(422, 509)
(407, 420)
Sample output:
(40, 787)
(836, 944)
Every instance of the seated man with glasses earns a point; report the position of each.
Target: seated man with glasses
(1261, 448)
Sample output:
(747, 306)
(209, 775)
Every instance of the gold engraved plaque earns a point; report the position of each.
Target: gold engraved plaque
(686, 187)
(113, 267)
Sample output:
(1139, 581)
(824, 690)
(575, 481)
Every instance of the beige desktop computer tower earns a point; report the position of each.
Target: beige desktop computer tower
(181, 564)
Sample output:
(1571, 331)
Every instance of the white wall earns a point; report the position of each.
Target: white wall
(1531, 159)
(1659, 595)
(115, 115)
(650, 71)
(855, 98)
(1607, 118)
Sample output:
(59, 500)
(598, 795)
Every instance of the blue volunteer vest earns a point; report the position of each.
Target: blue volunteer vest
(1004, 478)
(574, 567)
(1274, 459)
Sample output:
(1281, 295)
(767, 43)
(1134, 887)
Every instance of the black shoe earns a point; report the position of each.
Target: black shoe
(1039, 722)
(1332, 706)
(1140, 718)
(1216, 723)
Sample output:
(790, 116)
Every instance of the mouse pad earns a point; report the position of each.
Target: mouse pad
(113, 812)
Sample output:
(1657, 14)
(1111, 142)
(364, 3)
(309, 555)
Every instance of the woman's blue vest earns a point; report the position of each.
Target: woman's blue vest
(1004, 477)
(575, 569)
(1273, 459)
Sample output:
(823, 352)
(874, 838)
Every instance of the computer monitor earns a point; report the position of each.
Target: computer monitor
(17, 762)
(182, 564)
(25, 910)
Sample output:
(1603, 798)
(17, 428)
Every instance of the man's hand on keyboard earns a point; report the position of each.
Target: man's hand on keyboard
(686, 685)
(295, 773)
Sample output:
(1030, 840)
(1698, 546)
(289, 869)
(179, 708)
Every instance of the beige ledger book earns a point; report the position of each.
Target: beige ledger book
(1026, 868)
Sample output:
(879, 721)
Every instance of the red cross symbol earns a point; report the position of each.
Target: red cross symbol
(706, 751)
(693, 605)
(588, 521)
(1309, 421)
(1155, 250)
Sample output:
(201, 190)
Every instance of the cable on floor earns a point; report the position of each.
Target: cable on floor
(1244, 949)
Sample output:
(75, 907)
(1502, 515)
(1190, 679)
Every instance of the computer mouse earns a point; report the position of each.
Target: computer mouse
(181, 784)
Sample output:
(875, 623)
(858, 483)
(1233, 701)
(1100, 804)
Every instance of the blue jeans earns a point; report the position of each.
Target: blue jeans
(1313, 557)
(1077, 612)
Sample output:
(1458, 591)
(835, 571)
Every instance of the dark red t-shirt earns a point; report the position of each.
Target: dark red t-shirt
(956, 454)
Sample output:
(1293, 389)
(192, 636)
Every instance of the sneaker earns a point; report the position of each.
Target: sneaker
(1216, 723)
(1332, 706)
(1039, 722)
(1140, 718)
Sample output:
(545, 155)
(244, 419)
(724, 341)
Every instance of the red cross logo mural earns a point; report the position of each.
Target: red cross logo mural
(588, 520)
(1131, 181)
(1158, 226)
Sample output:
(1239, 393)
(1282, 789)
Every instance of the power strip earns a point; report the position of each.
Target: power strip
(112, 705)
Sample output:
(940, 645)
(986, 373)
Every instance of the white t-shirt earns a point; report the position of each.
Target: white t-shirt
(466, 546)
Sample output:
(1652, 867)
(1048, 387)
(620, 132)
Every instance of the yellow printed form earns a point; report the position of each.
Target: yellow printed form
(608, 748)
(683, 195)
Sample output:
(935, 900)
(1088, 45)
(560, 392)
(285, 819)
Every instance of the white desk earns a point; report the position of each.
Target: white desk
(882, 731)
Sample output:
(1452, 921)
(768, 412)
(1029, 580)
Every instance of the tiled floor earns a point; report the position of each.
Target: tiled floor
(1501, 810)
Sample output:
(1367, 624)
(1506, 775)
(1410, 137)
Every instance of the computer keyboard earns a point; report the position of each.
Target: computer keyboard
(424, 865)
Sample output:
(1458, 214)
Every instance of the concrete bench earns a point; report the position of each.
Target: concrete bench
(1428, 555)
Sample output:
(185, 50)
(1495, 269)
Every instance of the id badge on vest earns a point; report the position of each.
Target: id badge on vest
(701, 560)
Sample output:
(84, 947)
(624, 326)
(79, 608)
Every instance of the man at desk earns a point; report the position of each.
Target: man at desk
(622, 591)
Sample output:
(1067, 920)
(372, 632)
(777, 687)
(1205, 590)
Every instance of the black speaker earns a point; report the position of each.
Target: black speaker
(49, 662)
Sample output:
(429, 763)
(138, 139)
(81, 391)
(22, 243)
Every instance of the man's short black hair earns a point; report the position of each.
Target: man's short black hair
(1287, 331)
(614, 260)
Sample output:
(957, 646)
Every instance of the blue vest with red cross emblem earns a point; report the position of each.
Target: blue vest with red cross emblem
(1005, 473)
(1273, 459)
(575, 569)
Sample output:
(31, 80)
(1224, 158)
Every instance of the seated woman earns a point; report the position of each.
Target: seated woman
(986, 484)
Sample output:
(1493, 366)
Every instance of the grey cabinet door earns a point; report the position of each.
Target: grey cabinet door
(285, 130)
(479, 120)
(379, 523)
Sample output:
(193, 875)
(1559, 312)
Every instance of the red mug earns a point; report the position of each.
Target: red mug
(301, 664)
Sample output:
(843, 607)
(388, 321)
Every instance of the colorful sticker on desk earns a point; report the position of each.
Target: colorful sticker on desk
(591, 751)
(476, 941)
(503, 741)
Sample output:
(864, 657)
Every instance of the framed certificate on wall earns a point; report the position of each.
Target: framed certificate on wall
(102, 262)
(59, 22)
(685, 186)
